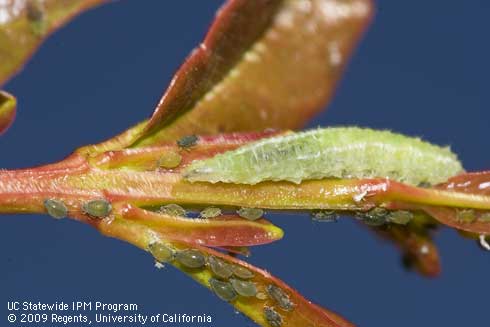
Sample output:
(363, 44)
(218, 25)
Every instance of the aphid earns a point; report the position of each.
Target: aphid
(173, 210)
(55, 208)
(261, 296)
(35, 13)
(243, 287)
(401, 217)
(485, 217)
(273, 318)
(187, 141)
(170, 160)
(374, 217)
(97, 208)
(161, 252)
(191, 258)
(242, 272)
(466, 216)
(224, 290)
(210, 212)
(281, 297)
(325, 216)
(339, 152)
(220, 268)
(250, 213)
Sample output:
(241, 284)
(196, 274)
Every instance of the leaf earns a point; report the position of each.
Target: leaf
(278, 71)
(225, 231)
(25, 24)
(8, 106)
(303, 313)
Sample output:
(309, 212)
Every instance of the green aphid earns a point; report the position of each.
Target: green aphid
(224, 290)
(401, 217)
(242, 272)
(281, 297)
(484, 217)
(325, 216)
(243, 287)
(336, 152)
(97, 208)
(191, 258)
(170, 160)
(273, 318)
(220, 268)
(210, 212)
(35, 13)
(466, 216)
(187, 141)
(250, 213)
(55, 208)
(161, 252)
(374, 217)
(173, 210)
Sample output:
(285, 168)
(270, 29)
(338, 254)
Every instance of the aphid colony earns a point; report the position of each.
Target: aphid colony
(337, 152)
(98, 208)
(229, 281)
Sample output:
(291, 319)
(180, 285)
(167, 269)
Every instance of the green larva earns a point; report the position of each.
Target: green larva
(280, 297)
(242, 273)
(55, 208)
(191, 258)
(97, 208)
(220, 268)
(224, 290)
(273, 318)
(337, 152)
(243, 287)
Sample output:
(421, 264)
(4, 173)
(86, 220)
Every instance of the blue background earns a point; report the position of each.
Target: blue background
(422, 70)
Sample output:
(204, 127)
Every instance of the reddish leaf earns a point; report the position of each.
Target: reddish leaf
(278, 74)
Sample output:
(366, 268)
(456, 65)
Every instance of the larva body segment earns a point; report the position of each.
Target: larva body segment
(337, 152)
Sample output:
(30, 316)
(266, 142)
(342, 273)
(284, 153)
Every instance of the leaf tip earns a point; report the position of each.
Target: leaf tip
(8, 108)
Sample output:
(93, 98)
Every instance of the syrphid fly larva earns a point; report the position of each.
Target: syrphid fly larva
(55, 208)
(336, 152)
(224, 290)
(99, 208)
